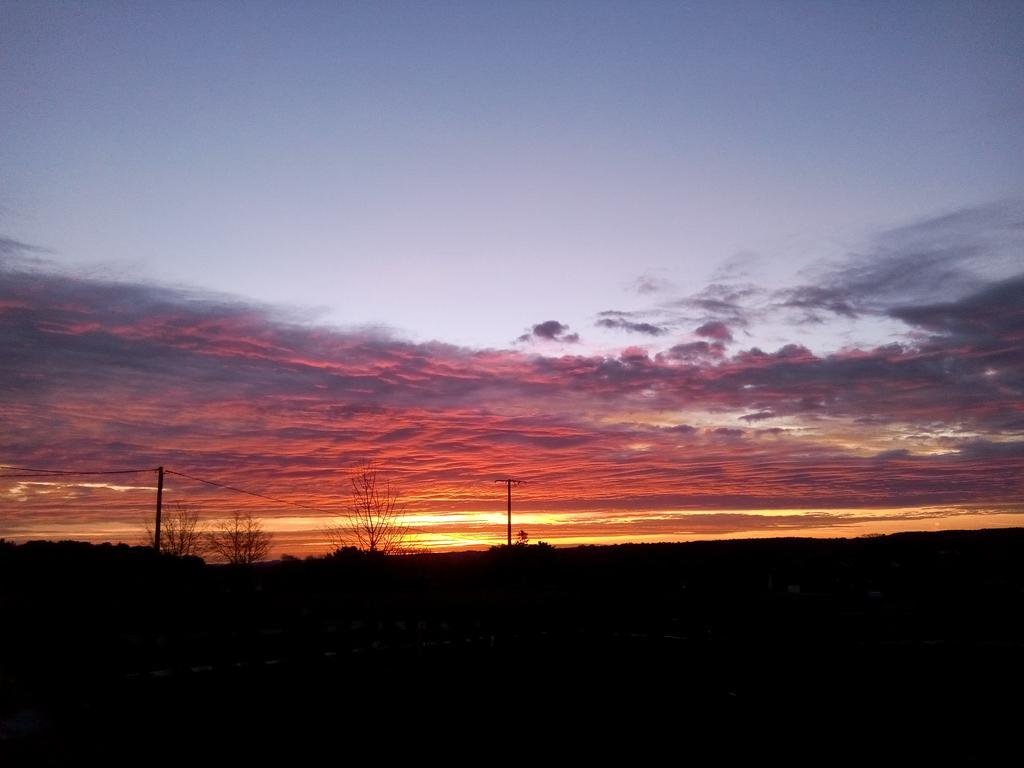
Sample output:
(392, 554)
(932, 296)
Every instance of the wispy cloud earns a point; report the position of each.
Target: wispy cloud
(646, 285)
(618, 321)
(924, 262)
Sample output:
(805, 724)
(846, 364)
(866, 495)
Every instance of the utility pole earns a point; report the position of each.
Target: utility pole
(159, 506)
(509, 482)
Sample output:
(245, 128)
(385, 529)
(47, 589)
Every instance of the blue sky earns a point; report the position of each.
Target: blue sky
(463, 171)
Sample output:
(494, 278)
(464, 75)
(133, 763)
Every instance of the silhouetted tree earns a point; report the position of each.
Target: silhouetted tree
(373, 521)
(240, 540)
(181, 534)
(522, 538)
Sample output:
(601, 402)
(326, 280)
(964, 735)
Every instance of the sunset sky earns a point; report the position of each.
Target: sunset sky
(691, 270)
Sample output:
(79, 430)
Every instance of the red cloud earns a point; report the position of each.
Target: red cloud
(99, 374)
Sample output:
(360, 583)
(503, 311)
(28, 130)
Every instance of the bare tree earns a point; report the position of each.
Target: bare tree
(240, 540)
(373, 520)
(181, 534)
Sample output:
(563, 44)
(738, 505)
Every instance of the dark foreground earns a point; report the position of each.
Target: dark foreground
(900, 646)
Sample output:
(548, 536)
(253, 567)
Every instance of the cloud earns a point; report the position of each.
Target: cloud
(646, 285)
(623, 324)
(15, 254)
(758, 416)
(550, 330)
(9, 246)
(727, 303)
(682, 429)
(930, 261)
(735, 267)
(936, 258)
(811, 298)
(715, 330)
(695, 351)
(96, 373)
(987, 319)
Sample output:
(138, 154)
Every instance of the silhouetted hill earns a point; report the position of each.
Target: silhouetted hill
(115, 644)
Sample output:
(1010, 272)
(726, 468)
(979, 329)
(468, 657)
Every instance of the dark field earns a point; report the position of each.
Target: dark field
(911, 641)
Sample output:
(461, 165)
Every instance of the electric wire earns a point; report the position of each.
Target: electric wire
(249, 493)
(48, 472)
(33, 472)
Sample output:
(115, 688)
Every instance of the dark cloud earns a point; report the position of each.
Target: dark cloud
(682, 429)
(988, 318)
(898, 453)
(937, 258)
(987, 449)
(16, 255)
(715, 330)
(695, 351)
(9, 246)
(550, 330)
(622, 324)
(758, 416)
(722, 302)
(814, 298)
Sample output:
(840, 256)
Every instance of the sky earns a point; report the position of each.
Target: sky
(690, 269)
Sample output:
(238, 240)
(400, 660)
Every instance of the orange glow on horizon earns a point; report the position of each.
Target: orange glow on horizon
(304, 535)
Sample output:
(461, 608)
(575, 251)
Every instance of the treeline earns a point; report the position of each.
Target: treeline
(897, 564)
(106, 640)
(950, 584)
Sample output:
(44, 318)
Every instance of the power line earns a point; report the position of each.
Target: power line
(250, 493)
(32, 472)
(69, 475)
(49, 472)
(271, 498)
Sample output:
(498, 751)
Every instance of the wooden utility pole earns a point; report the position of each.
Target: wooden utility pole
(509, 483)
(159, 506)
